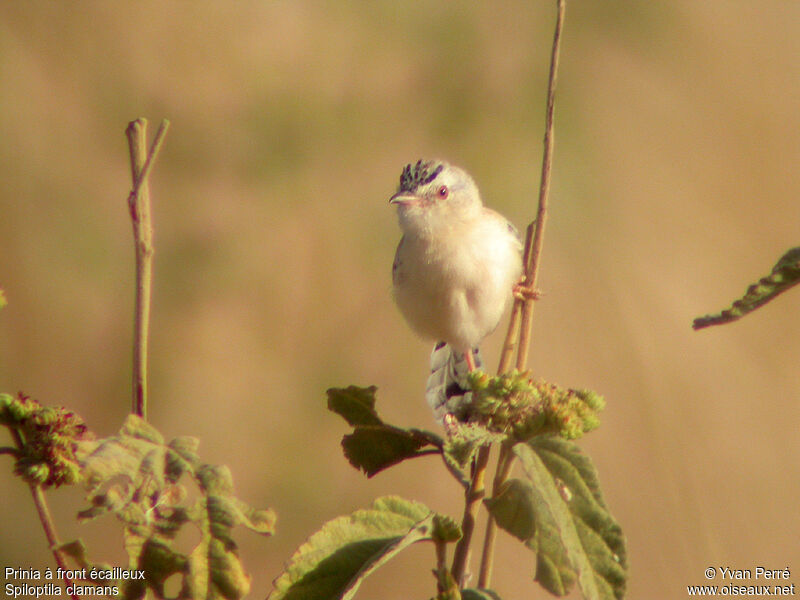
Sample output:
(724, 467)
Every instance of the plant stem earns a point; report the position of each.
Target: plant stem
(44, 516)
(139, 206)
(522, 313)
(473, 496)
(441, 563)
(510, 343)
(532, 262)
(504, 462)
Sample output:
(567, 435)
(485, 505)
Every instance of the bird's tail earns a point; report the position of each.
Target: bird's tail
(447, 390)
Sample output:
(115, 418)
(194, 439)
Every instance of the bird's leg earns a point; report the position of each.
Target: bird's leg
(522, 291)
(470, 358)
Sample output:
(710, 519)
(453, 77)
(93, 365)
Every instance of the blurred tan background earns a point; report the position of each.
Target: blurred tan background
(675, 186)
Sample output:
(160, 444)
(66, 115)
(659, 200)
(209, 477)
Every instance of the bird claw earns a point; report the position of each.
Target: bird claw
(450, 424)
(523, 292)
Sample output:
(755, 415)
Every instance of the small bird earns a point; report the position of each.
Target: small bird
(457, 262)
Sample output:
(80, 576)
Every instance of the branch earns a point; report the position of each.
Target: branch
(533, 255)
(474, 494)
(504, 462)
(522, 314)
(512, 334)
(441, 564)
(139, 206)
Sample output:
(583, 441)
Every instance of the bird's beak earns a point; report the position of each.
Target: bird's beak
(404, 199)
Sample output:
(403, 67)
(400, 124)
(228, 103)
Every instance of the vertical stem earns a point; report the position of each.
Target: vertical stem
(522, 313)
(504, 462)
(473, 496)
(139, 205)
(510, 343)
(441, 564)
(532, 263)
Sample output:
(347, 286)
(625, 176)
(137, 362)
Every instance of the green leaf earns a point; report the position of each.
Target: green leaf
(76, 550)
(335, 560)
(375, 445)
(354, 404)
(183, 459)
(3, 300)
(560, 514)
(462, 444)
(519, 509)
(373, 448)
(784, 275)
(159, 562)
(513, 508)
(141, 480)
(214, 572)
(479, 594)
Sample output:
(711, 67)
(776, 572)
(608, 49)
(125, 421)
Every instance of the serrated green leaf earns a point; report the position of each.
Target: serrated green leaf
(373, 448)
(215, 479)
(461, 445)
(354, 404)
(183, 458)
(257, 520)
(574, 536)
(134, 475)
(577, 480)
(136, 427)
(213, 569)
(479, 594)
(785, 274)
(513, 508)
(126, 455)
(159, 562)
(520, 510)
(215, 572)
(76, 550)
(456, 470)
(335, 560)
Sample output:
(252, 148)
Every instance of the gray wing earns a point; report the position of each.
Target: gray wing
(397, 264)
(515, 232)
(509, 225)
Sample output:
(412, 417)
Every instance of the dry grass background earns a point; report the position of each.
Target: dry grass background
(675, 185)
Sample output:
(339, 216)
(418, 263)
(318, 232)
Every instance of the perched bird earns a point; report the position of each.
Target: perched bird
(455, 266)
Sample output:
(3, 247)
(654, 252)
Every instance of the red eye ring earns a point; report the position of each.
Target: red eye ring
(443, 192)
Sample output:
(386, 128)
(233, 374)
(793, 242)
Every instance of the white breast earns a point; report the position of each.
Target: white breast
(455, 287)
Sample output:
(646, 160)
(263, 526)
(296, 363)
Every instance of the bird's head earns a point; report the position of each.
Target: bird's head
(435, 192)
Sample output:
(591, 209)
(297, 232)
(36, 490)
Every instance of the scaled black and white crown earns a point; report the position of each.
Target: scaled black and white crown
(420, 174)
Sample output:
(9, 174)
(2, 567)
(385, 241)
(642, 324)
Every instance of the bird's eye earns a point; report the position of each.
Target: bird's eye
(443, 192)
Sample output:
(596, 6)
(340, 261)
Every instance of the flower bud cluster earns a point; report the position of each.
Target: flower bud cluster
(516, 405)
(49, 440)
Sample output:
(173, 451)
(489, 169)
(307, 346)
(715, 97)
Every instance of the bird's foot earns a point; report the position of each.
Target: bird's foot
(450, 424)
(522, 291)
